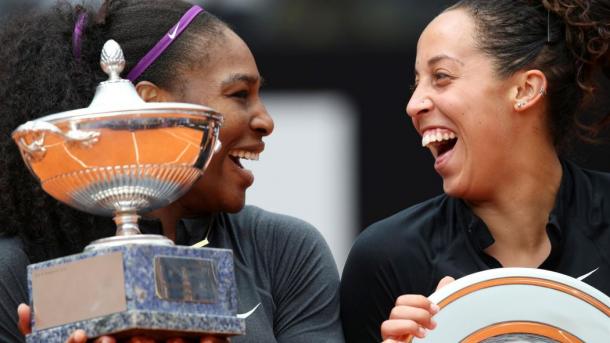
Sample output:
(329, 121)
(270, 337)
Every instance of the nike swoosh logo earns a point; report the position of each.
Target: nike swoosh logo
(172, 34)
(247, 314)
(587, 275)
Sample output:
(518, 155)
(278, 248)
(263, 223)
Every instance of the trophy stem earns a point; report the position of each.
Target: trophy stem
(127, 223)
(128, 233)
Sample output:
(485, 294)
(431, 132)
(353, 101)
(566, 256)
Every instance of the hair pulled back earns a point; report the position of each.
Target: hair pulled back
(568, 40)
(40, 75)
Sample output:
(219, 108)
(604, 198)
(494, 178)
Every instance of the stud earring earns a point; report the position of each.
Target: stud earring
(542, 91)
(520, 104)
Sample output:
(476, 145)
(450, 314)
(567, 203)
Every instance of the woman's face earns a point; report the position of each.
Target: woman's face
(228, 83)
(461, 108)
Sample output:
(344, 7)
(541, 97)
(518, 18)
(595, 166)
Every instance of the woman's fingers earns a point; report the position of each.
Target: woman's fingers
(390, 329)
(411, 316)
(175, 340)
(418, 301)
(420, 316)
(444, 282)
(141, 339)
(24, 314)
(78, 336)
(415, 300)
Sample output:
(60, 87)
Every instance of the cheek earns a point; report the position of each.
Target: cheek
(229, 127)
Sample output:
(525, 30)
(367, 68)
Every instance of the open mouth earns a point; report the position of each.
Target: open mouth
(439, 141)
(238, 155)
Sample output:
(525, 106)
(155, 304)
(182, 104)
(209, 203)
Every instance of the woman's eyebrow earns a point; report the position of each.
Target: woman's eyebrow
(247, 78)
(442, 57)
(438, 58)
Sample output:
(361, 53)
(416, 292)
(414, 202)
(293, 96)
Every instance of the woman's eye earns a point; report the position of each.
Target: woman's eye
(441, 77)
(243, 94)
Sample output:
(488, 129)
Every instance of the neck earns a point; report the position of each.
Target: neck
(518, 212)
(169, 217)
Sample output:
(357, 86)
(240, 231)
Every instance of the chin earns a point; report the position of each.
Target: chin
(234, 208)
(233, 204)
(452, 188)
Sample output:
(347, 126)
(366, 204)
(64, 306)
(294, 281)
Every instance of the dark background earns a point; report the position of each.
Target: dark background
(364, 49)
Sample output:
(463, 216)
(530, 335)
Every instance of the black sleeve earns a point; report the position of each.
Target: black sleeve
(13, 287)
(380, 267)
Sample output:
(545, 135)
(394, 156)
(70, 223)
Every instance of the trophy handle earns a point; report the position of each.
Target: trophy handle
(36, 131)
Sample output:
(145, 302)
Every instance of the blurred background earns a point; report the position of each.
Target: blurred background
(344, 154)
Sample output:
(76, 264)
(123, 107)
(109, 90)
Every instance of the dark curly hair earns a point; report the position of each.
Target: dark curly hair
(40, 75)
(566, 39)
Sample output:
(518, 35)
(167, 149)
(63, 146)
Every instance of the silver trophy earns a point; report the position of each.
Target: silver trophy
(122, 157)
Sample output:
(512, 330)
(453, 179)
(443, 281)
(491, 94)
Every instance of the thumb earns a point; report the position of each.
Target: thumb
(24, 314)
(444, 282)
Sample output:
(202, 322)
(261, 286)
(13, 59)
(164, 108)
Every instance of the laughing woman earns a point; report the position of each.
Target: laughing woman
(499, 85)
(50, 63)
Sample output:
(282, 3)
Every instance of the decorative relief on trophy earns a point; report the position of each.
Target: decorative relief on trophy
(122, 157)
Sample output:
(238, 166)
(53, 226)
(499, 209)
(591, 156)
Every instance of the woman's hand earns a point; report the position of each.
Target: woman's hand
(79, 336)
(411, 316)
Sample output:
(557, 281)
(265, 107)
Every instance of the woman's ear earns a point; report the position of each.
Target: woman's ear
(150, 92)
(531, 88)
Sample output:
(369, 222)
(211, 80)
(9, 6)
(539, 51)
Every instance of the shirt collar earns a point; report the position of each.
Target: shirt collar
(188, 230)
(479, 233)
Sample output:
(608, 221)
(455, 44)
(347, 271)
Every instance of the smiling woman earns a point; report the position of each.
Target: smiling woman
(498, 89)
(286, 277)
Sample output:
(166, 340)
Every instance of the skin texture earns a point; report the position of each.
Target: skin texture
(229, 83)
(501, 129)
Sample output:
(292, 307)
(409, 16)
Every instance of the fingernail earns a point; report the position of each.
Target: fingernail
(432, 323)
(421, 332)
(434, 308)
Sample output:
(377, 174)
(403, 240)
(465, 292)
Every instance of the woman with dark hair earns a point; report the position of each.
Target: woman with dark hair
(50, 63)
(498, 90)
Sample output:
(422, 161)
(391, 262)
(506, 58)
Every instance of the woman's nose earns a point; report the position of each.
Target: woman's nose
(262, 121)
(418, 105)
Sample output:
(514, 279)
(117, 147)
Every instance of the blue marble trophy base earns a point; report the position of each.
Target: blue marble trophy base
(151, 290)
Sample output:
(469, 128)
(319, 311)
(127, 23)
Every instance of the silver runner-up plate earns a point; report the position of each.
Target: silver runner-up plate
(519, 305)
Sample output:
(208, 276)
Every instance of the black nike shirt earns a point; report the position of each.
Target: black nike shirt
(412, 250)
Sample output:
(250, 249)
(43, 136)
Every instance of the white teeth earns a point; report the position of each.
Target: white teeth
(437, 135)
(246, 155)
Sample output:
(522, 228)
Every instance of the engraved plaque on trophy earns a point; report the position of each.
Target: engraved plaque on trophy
(121, 157)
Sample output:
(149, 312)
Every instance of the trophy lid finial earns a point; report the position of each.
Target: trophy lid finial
(112, 60)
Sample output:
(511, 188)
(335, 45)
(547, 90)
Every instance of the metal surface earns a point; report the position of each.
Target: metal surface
(120, 156)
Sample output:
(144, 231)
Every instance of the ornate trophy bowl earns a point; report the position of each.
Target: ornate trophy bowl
(122, 157)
